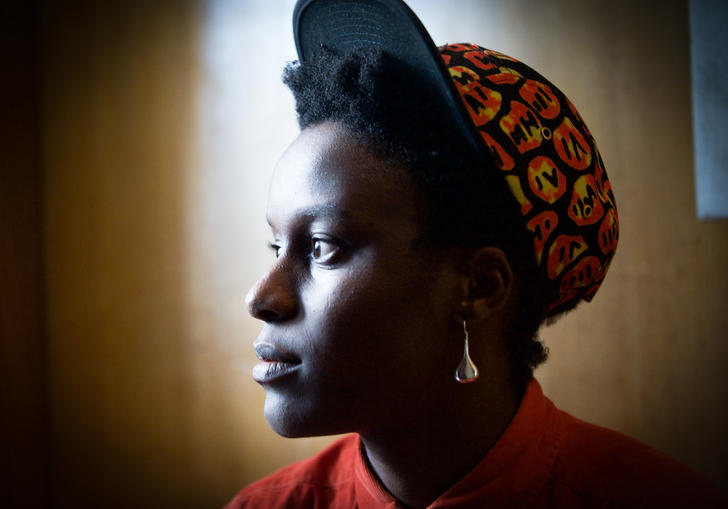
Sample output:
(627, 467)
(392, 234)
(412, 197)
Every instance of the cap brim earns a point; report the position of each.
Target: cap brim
(346, 25)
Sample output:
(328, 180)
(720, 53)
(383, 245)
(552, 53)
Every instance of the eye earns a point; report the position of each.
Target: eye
(275, 248)
(323, 250)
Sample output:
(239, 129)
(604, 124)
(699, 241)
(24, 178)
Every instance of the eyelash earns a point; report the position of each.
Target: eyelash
(275, 248)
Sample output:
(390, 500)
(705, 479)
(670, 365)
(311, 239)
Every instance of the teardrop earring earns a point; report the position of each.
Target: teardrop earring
(466, 372)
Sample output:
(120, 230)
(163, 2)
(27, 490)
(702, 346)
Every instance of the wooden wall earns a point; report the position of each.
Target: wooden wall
(24, 426)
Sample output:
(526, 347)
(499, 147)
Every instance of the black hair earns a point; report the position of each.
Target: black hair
(382, 104)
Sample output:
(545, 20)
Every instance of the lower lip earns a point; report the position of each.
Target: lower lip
(267, 371)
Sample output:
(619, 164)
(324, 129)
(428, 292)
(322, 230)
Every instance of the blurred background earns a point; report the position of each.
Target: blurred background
(138, 140)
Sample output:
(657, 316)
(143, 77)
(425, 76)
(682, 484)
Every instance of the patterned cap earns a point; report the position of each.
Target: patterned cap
(505, 110)
(551, 164)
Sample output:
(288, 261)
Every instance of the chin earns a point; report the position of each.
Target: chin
(292, 421)
(283, 430)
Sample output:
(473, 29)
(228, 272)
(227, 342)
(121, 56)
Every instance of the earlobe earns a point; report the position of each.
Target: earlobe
(489, 283)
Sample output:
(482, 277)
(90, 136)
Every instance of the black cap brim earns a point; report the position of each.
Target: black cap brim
(345, 25)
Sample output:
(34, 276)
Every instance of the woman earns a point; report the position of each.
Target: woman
(438, 206)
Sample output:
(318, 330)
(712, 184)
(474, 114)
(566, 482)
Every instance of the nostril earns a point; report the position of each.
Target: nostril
(267, 315)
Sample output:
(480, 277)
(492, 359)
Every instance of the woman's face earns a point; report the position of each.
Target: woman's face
(360, 330)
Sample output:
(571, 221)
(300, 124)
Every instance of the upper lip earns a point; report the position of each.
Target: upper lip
(269, 352)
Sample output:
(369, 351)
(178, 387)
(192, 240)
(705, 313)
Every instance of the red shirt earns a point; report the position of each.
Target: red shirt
(545, 458)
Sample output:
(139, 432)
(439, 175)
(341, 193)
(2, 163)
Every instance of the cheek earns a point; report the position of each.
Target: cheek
(376, 323)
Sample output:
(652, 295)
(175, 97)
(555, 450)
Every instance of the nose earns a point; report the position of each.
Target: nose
(272, 298)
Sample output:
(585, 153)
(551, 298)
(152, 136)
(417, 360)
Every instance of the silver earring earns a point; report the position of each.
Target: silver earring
(466, 372)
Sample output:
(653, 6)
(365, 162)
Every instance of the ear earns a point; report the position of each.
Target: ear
(488, 285)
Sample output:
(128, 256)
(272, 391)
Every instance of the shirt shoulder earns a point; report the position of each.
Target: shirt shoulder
(604, 468)
(324, 480)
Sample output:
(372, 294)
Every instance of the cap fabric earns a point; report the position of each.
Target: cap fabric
(551, 164)
(523, 125)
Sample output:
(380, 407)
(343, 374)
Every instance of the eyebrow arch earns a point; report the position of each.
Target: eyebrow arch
(327, 210)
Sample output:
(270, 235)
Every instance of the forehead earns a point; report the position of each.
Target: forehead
(327, 173)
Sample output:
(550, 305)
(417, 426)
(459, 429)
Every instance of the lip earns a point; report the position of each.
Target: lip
(274, 362)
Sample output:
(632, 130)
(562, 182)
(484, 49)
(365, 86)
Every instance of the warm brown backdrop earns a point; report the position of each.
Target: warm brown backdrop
(133, 188)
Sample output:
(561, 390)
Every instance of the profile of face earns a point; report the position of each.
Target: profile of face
(360, 323)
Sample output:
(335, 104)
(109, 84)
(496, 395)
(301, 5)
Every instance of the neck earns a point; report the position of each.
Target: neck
(418, 462)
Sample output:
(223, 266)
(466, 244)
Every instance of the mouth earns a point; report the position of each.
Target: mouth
(274, 363)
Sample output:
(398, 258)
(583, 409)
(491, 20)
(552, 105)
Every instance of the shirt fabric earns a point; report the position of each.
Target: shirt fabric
(545, 458)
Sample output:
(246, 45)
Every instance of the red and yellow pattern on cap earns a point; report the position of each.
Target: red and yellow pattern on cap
(550, 162)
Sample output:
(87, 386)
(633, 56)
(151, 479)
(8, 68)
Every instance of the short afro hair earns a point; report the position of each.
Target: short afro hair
(380, 103)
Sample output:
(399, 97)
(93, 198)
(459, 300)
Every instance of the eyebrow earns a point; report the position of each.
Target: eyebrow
(327, 210)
